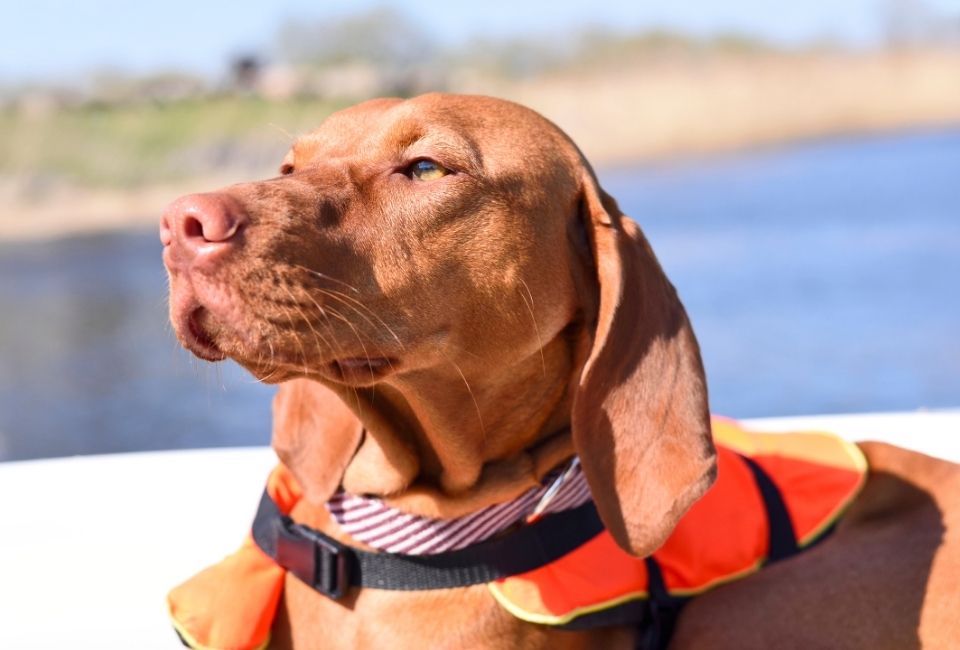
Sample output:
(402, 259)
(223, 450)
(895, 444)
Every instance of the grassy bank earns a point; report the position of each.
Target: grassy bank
(141, 145)
(113, 166)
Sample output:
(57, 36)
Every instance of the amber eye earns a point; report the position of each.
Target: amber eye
(428, 170)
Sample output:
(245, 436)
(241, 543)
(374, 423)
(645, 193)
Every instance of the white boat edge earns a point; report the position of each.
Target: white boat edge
(92, 544)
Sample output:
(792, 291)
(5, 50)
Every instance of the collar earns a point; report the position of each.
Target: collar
(370, 521)
(556, 517)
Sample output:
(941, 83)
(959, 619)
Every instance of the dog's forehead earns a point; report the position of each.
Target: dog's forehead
(389, 126)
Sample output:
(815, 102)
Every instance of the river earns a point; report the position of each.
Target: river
(821, 277)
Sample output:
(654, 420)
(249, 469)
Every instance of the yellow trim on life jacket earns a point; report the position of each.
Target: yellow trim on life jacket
(196, 645)
(818, 474)
(562, 619)
(834, 516)
(818, 447)
(720, 580)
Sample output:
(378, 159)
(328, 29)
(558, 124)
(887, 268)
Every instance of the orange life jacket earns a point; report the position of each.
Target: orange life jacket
(723, 537)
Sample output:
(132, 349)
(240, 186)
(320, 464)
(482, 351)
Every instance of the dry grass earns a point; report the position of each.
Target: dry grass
(716, 105)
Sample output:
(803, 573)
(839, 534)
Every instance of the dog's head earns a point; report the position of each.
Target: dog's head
(408, 244)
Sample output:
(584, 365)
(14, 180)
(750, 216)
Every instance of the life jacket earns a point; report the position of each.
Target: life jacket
(728, 534)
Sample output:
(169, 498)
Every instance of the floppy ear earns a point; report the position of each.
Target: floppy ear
(640, 417)
(315, 435)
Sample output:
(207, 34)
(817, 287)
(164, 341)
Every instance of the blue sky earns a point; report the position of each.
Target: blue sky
(50, 39)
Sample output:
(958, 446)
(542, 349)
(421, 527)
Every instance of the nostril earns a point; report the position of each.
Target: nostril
(203, 225)
(210, 228)
(192, 228)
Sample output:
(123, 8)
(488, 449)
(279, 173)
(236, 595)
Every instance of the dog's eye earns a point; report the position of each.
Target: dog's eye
(286, 169)
(427, 170)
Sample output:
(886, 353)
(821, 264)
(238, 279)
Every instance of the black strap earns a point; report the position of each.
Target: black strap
(331, 567)
(783, 539)
(662, 610)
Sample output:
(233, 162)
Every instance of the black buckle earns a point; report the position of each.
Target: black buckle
(319, 561)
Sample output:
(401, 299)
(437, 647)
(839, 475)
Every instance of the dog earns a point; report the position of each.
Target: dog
(454, 309)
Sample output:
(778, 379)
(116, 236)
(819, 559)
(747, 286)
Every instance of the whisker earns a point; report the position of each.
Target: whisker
(476, 405)
(276, 369)
(536, 328)
(259, 364)
(326, 318)
(327, 324)
(327, 277)
(290, 137)
(316, 335)
(303, 351)
(462, 350)
(356, 306)
(356, 333)
(343, 298)
(359, 313)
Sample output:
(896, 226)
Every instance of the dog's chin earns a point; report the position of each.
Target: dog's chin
(270, 374)
(359, 371)
(354, 372)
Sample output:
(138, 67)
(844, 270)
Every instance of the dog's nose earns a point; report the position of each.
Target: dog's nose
(201, 228)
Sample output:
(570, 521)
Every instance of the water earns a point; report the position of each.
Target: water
(820, 278)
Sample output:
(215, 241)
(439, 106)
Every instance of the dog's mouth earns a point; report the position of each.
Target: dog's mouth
(210, 330)
(199, 338)
(360, 370)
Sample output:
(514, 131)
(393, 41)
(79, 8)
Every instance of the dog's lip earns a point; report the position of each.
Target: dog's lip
(360, 369)
(198, 339)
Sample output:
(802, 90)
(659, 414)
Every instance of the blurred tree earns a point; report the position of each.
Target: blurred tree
(382, 36)
(913, 23)
(515, 58)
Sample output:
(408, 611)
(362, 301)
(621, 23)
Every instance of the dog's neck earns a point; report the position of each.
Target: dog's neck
(443, 443)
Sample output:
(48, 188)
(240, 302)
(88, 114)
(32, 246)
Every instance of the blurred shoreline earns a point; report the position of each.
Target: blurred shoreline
(633, 113)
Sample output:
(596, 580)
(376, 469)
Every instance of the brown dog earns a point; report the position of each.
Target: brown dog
(455, 308)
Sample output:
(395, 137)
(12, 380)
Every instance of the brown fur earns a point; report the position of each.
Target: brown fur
(444, 343)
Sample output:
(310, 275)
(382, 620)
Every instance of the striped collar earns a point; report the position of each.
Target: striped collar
(370, 521)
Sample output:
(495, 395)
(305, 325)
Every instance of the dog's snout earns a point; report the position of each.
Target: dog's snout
(201, 228)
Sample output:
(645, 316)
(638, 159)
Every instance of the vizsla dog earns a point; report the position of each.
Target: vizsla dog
(454, 309)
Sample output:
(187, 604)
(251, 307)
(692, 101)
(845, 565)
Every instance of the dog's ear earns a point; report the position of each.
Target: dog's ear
(315, 435)
(640, 417)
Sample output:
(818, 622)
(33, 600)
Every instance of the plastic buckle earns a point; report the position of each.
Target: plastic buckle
(331, 562)
(319, 561)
